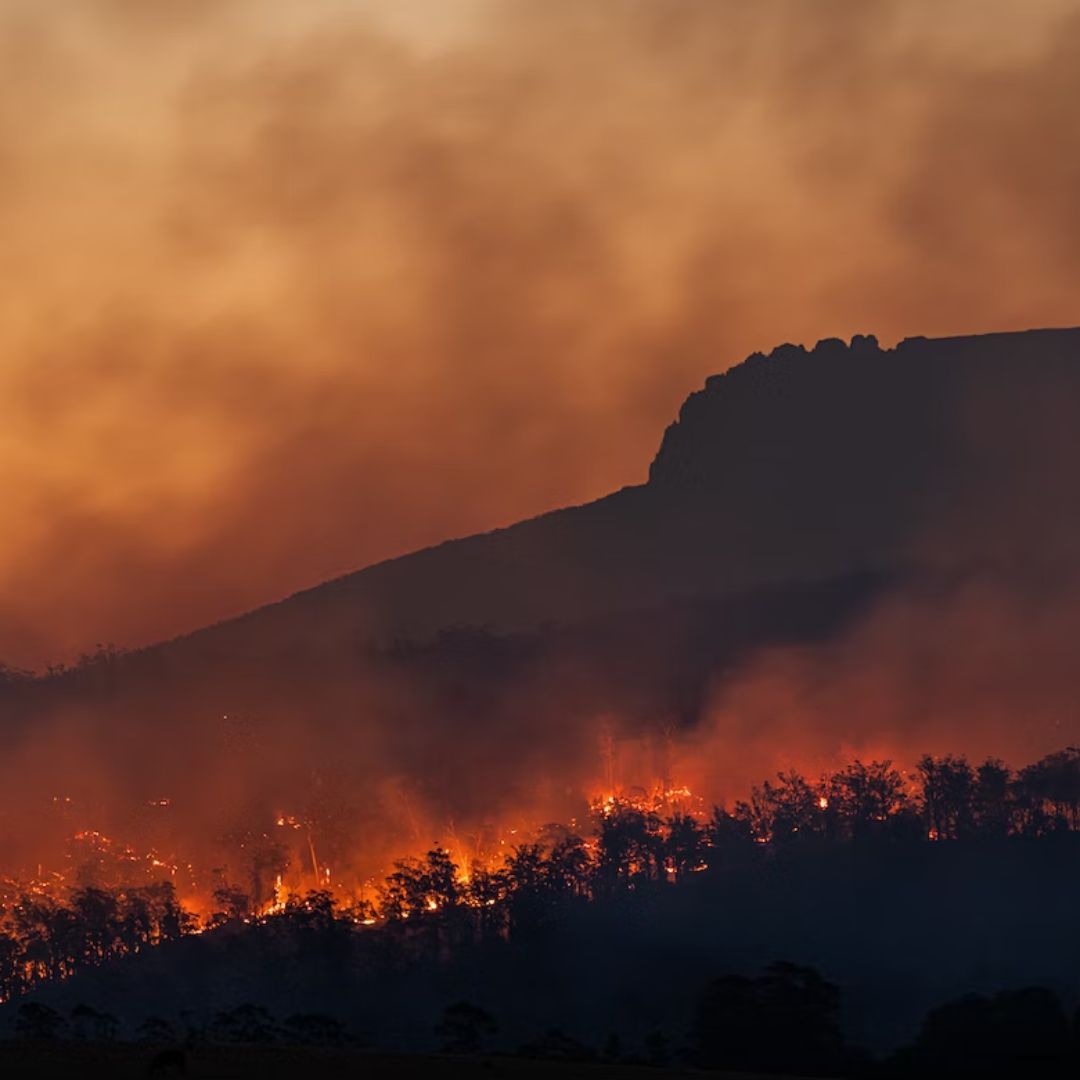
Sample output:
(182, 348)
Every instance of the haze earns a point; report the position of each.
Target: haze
(290, 287)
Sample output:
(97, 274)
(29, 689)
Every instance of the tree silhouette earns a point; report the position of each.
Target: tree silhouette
(684, 845)
(231, 904)
(556, 1045)
(37, 1021)
(728, 836)
(487, 894)
(1014, 1033)
(568, 866)
(88, 1023)
(528, 897)
(420, 887)
(992, 800)
(948, 796)
(426, 892)
(315, 1029)
(155, 1029)
(783, 1021)
(464, 1027)
(246, 1023)
(631, 846)
(1051, 791)
(783, 810)
(97, 920)
(866, 796)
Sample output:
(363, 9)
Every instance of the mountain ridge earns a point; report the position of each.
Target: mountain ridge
(891, 504)
(536, 545)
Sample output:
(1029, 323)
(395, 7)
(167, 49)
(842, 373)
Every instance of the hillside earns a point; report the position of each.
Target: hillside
(901, 511)
(800, 465)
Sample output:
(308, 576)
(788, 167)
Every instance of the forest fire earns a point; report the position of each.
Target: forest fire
(111, 899)
(279, 863)
(537, 539)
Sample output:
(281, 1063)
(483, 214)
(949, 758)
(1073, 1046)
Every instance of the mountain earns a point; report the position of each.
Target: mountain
(796, 466)
(840, 552)
(796, 496)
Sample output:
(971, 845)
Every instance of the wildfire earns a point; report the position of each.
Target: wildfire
(634, 838)
(92, 836)
(281, 896)
(272, 865)
(94, 856)
(661, 799)
(272, 868)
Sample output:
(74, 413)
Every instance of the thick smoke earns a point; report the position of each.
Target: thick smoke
(291, 287)
(983, 671)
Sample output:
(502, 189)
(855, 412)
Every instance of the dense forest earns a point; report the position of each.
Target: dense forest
(641, 860)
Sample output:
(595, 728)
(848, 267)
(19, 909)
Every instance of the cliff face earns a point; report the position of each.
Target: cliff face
(878, 446)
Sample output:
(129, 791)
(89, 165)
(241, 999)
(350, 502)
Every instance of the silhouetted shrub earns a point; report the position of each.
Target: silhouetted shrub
(244, 1024)
(315, 1029)
(88, 1023)
(155, 1029)
(1014, 1033)
(785, 1021)
(464, 1028)
(37, 1021)
(556, 1045)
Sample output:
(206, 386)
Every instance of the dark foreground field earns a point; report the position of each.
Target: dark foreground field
(83, 1060)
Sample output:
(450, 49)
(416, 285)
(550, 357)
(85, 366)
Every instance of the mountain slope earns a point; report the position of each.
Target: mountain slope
(839, 547)
(796, 466)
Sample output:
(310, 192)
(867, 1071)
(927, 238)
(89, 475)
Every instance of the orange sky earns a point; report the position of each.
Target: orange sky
(294, 285)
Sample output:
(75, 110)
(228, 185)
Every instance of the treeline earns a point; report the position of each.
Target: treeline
(243, 1024)
(947, 798)
(785, 1021)
(43, 939)
(632, 845)
(432, 906)
(102, 657)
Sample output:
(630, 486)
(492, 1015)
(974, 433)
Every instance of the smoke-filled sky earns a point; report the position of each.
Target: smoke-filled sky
(290, 286)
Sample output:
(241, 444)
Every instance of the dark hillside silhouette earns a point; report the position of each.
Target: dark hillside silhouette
(804, 464)
(800, 465)
(797, 497)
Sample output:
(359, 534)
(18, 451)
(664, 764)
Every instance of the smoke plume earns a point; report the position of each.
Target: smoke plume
(293, 287)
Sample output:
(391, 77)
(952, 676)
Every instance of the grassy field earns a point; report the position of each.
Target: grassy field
(83, 1061)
